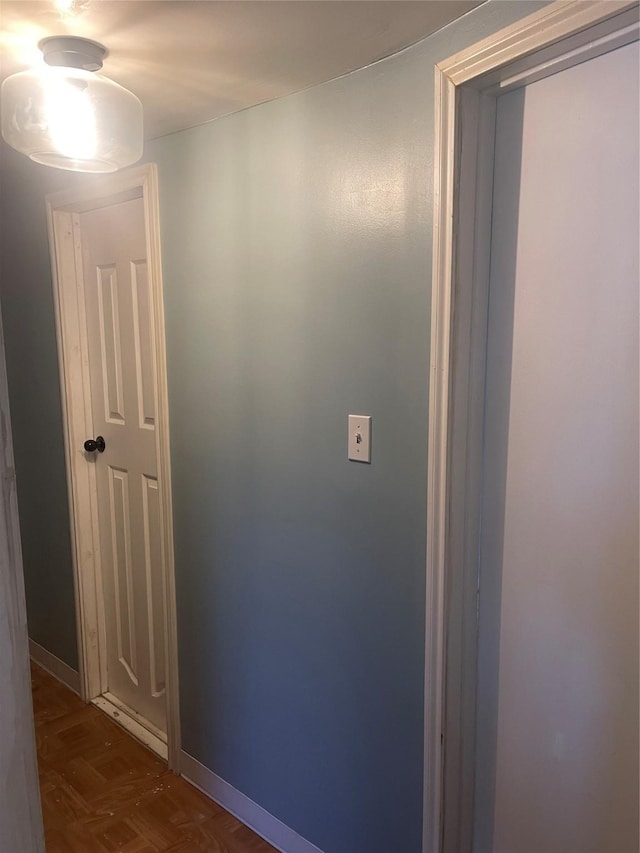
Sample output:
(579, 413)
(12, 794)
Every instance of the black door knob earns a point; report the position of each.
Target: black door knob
(95, 444)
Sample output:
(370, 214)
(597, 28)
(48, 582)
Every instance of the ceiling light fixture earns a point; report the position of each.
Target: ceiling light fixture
(65, 115)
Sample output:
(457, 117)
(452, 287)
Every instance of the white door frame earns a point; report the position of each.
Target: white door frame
(63, 209)
(467, 85)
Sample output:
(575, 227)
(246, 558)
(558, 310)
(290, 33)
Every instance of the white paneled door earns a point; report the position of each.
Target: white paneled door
(120, 345)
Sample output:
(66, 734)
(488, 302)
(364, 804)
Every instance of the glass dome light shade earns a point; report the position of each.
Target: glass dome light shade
(72, 119)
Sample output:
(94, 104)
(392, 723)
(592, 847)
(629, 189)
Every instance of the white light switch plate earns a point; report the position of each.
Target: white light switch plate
(360, 438)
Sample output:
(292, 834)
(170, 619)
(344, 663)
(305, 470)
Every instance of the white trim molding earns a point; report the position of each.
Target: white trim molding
(467, 84)
(555, 23)
(54, 666)
(436, 471)
(251, 814)
(63, 211)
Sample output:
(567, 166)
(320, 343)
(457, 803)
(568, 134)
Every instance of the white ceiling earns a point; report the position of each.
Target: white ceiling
(190, 61)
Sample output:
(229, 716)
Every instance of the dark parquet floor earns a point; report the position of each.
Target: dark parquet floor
(103, 792)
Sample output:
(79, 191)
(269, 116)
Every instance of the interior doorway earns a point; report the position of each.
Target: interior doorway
(468, 88)
(104, 241)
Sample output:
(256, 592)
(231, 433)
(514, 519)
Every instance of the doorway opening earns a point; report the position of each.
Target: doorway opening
(467, 87)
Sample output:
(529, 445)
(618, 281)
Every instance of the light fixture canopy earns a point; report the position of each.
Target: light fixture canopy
(65, 115)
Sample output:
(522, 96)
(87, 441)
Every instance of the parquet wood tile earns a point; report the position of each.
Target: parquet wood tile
(103, 792)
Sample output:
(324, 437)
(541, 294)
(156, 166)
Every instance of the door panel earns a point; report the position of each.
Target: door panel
(143, 336)
(123, 596)
(155, 594)
(110, 350)
(120, 335)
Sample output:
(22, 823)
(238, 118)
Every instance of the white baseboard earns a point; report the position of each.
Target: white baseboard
(54, 666)
(250, 813)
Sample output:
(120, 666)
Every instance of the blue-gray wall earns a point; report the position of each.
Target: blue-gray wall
(297, 258)
(36, 415)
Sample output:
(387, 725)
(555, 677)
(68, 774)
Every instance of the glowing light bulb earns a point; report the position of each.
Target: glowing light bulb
(70, 8)
(70, 117)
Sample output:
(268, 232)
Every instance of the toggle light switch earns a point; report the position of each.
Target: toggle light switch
(359, 444)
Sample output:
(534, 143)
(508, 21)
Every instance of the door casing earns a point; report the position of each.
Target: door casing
(467, 86)
(63, 210)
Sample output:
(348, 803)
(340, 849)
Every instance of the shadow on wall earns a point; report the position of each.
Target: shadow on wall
(505, 217)
(34, 387)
